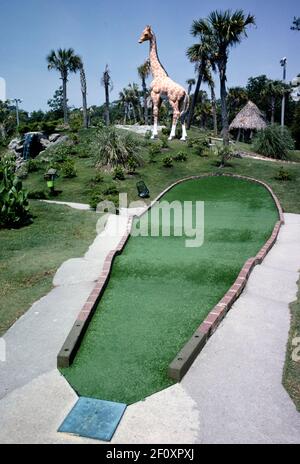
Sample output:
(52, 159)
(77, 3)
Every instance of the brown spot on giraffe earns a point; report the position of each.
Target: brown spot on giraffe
(163, 86)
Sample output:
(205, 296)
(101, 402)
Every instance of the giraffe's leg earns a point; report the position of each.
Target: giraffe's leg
(156, 104)
(184, 133)
(176, 114)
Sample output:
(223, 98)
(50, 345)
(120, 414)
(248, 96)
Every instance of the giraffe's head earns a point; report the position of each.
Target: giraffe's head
(147, 34)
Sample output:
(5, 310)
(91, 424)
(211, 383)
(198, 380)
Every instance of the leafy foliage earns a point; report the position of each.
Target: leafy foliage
(14, 206)
(118, 173)
(283, 174)
(115, 149)
(168, 162)
(181, 156)
(274, 142)
(68, 168)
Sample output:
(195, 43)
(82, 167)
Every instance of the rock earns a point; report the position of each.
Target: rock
(14, 143)
(45, 142)
(54, 137)
(61, 139)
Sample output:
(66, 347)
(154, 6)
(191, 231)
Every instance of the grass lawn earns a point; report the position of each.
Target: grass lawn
(160, 291)
(291, 373)
(30, 256)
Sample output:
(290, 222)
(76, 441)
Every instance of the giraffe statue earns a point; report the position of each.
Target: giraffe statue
(163, 86)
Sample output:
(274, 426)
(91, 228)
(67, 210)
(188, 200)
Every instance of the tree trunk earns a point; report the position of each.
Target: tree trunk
(223, 92)
(84, 99)
(107, 121)
(272, 110)
(196, 93)
(145, 101)
(214, 109)
(65, 103)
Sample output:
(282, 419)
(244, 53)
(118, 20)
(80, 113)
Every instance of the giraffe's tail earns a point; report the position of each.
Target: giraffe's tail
(185, 107)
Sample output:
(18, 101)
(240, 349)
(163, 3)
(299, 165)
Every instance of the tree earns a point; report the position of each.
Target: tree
(237, 97)
(199, 54)
(64, 61)
(208, 79)
(56, 103)
(143, 72)
(273, 90)
(84, 93)
(225, 29)
(190, 83)
(296, 24)
(108, 86)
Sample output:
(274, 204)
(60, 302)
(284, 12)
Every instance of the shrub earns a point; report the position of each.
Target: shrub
(283, 174)
(164, 141)
(114, 149)
(181, 156)
(95, 196)
(34, 165)
(22, 171)
(111, 190)
(14, 206)
(37, 195)
(148, 135)
(97, 179)
(224, 152)
(274, 142)
(155, 149)
(132, 165)
(118, 173)
(168, 162)
(68, 168)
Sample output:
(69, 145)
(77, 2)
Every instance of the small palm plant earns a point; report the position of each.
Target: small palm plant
(114, 149)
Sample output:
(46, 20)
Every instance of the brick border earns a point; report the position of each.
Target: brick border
(181, 363)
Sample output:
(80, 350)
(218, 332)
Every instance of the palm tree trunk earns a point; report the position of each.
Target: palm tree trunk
(65, 105)
(145, 101)
(214, 109)
(192, 108)
(84, 99)
(107, 121)
(272, 110)
(225, 125)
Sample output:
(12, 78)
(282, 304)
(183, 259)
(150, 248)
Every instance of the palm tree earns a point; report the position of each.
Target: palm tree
(199, 54)
(190, 83)
(84, 93)
(108, 86)
(143, 72)
(273, 90)
(64, 61)
(225, 29)
(208, 79)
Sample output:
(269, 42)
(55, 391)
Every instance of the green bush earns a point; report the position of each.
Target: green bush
(181, 156)
(132, 165)
(111, 190)
(148, 135)
(283, 174)
(168, 162)
(22, 171)
(68, 168)
(155, 149)
(273, 142)
(34, 165)
(164, 141)
(97, 179)
(118, 173)
(14, 206)
(225, 152)
(37, 195)
(95, 196)
(113, 148)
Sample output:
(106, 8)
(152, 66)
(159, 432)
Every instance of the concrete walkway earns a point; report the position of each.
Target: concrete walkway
(80, 206)
(232, 393)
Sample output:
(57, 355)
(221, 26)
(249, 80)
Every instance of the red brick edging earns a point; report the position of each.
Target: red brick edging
(185, 357)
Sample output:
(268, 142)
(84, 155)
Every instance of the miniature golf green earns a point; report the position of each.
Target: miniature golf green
(160, 291)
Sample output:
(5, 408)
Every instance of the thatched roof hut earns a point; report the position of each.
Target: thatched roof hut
(249, 118)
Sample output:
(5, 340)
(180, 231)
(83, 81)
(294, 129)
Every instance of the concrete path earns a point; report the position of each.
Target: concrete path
(81, 206)
(232, 393)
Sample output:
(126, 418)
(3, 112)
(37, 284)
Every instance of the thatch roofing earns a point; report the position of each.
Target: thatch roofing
(250, 117)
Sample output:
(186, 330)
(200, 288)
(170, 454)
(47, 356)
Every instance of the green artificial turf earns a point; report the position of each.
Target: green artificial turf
(160, 291)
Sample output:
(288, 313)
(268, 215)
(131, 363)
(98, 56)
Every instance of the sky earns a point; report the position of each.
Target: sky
(107, 32)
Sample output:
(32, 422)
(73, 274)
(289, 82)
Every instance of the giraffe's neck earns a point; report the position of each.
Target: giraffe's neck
(156, 67)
